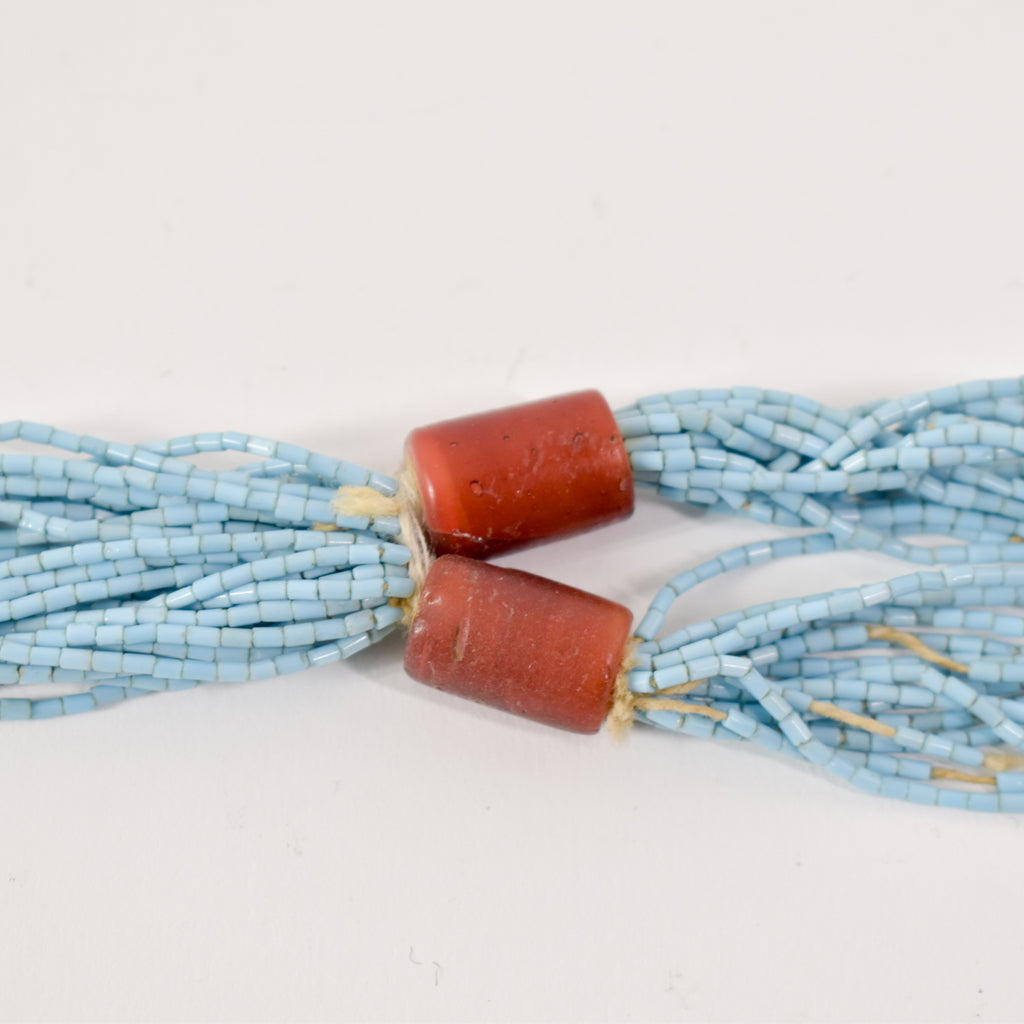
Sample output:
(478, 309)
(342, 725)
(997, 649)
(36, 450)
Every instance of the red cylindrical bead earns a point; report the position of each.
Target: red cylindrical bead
(514, 476)
(518, 642)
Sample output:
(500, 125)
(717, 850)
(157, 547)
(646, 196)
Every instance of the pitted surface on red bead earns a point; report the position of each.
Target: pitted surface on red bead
(516, 476)
(518, 642)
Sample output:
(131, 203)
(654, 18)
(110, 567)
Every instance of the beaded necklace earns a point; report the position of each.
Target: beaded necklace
(128, 569)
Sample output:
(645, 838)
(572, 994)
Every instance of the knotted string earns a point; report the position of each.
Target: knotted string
(407, 506)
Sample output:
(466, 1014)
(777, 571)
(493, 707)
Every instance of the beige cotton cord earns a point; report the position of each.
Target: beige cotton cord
(625, 702)
(407, 506)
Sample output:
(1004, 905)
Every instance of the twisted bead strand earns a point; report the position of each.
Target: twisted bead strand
(132, 570)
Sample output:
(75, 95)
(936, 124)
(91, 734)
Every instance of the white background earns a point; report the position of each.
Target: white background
(330, 223)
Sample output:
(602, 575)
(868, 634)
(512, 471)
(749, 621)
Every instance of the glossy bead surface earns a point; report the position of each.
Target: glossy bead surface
(515, 476)
(518, 642)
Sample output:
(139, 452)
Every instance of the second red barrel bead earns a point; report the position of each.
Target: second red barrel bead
(515, 476)
(518, 642)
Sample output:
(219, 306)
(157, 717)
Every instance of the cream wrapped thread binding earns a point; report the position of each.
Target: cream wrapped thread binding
(407, 507)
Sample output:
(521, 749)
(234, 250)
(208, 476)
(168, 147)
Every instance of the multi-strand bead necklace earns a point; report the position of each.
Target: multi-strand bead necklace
(126, 570)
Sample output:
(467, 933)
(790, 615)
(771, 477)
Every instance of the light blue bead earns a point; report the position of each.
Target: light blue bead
(922, 793)
(808, 611)
(51, 707)
(77, 703)
(953, 798)
(867, 780)
(299, 634)
(71, 658)
(325, 654)
(1010, 782)
(988, 802)
(15, 709)
(1011, 803)
(795, 730)
(775, 705)
(353, 645)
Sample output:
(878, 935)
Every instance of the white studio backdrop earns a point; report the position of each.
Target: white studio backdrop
(330, 223)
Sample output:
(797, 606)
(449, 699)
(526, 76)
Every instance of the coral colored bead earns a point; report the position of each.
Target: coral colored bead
(515, 476)
(518, 642)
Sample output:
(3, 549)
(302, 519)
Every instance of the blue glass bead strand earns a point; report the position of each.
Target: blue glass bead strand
(128, 569)
(945, 461)
(911, 688)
